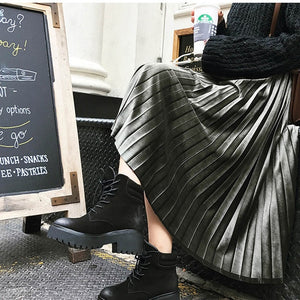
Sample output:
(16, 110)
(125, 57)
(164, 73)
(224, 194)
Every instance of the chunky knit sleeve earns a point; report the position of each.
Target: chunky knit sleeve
(254, 57)
(221, 29)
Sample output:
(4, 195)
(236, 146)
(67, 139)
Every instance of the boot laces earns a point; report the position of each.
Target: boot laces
(141, 265)
(108, 189)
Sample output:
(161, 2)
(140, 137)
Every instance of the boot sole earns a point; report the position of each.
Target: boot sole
(123, 241)
(168, 296)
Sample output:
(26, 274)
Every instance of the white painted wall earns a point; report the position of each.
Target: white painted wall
(84, 29)
(108, 41)
(132, 36)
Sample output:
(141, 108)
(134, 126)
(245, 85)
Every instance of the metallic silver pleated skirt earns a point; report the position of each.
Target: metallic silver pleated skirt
(218, 162)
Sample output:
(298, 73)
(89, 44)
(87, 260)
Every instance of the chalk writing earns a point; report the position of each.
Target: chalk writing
(17, 74)
(23, 172)
(13, 45)
(38, 158)
(17, 136)
(35, 171)
(14, 136)
(16, 110)
(6, 173)
(16, 126)
(17, 145)
(3, 91)
(9, 160)
(28, 133)
(26, 159)
(20, 18)
(11, 23)
(189, 49)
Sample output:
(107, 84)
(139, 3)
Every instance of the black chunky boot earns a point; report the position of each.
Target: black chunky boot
(154, 278)
(118, 218)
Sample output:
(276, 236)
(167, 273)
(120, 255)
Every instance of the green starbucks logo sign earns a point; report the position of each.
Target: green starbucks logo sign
(205, 18)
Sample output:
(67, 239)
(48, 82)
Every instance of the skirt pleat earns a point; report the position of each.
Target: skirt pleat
(218, 162)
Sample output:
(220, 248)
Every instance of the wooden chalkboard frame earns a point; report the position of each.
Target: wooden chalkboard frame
(179, 35)
(176, 40)
(70, 197)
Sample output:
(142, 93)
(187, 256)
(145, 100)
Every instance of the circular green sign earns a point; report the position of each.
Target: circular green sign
(205, 18)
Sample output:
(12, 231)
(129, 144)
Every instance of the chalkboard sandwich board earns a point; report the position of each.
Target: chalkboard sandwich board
(39, 151)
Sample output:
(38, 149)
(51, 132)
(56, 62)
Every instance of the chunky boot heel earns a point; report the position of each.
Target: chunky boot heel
(169, 296)
(129, 241)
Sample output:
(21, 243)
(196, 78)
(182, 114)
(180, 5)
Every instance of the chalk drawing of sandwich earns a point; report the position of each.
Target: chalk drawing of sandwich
(17, 74)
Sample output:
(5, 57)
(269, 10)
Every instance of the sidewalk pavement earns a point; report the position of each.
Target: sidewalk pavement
(35, 267)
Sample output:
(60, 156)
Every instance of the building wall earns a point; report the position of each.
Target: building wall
(132, 36)
(108, 41)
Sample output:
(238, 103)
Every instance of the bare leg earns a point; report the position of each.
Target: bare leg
(126, 170)
(158, 234)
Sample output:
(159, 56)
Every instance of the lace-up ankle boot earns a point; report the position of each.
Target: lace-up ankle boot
(154, 278)
(118, 218)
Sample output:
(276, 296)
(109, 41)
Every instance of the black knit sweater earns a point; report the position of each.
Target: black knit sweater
(244, 50)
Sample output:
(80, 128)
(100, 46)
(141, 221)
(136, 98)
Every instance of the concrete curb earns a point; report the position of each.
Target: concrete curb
(213, 286)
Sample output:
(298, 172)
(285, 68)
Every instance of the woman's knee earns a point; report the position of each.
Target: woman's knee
(157, 67)
(154, 69)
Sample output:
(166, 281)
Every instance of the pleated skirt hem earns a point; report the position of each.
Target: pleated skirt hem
(218, 163)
